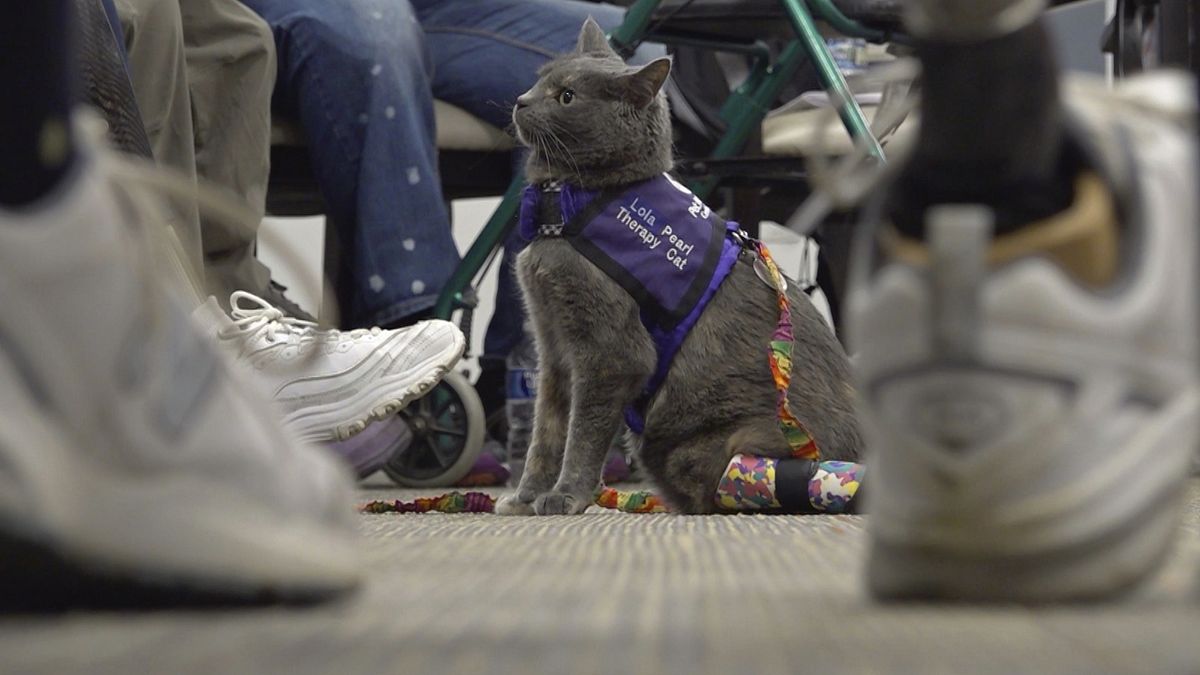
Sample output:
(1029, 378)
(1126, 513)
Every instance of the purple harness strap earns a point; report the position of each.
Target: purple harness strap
(657, 240)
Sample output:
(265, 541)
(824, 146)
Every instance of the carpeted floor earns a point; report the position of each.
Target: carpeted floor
(612, 593)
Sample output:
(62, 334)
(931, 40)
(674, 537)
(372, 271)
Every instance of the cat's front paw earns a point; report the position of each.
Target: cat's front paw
(560, 504)
(513, 505)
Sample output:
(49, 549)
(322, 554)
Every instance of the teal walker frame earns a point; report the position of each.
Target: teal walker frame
(743, 113)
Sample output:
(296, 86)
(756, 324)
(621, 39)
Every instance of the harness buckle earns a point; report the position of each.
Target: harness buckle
(743, 239)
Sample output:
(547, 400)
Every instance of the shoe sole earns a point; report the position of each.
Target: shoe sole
(1104, 569)
(1105, 565)
(147, 541)
(344, 420)
(155, 544)
(40, 579)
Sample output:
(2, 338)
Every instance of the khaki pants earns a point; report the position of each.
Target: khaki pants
(203, 72)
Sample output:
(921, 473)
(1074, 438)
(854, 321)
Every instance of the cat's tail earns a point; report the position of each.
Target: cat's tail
(759, 439)
(839, 440)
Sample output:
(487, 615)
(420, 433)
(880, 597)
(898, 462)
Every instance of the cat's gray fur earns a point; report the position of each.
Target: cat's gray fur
(595, 356)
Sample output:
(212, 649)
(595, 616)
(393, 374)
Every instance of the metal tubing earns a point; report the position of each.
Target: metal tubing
(749, 104)
(831, 15)
(831, 77)
(493, 235)
(757, 49)
(626, 37)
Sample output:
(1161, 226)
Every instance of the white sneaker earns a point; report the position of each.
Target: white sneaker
(329, 384)
(133, 465)
(1031, 435)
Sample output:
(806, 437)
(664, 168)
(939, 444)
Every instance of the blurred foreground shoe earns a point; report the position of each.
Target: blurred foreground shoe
(1031, 399)
(328, 384)
(135, 469)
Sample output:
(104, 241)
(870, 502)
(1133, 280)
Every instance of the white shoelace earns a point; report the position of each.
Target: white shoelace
(847, 181)
(263, 319)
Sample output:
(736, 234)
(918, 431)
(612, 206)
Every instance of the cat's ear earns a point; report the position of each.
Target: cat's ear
(592, 40)
(642, 86)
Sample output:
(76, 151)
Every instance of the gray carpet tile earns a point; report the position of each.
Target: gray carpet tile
(614, 593)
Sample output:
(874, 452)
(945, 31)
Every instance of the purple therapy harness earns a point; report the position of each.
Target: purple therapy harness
(654, 238)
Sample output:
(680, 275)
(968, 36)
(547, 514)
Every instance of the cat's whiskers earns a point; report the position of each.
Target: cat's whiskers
(559, 128)
(539, 144)
(567, 155)
(535, 137)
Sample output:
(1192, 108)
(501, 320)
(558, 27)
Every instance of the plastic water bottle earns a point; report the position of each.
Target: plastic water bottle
(849, 54)
(521, 389)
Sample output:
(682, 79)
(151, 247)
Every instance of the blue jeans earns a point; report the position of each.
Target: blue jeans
(361, 76)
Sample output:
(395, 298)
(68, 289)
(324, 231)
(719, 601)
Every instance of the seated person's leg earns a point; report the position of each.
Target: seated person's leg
(231, 73)
(357, 77)
(487, 52)
(154, 41)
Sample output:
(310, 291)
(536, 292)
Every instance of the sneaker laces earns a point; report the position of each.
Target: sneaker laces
(840, 184)
(846, 182)
(262, 319)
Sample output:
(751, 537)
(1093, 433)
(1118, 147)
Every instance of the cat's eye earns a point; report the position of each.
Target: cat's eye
(566, 96)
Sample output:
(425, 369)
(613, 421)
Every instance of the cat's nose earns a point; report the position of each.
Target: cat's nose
(524, 100)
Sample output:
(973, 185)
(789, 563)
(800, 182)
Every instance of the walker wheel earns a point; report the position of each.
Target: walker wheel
(448, 432)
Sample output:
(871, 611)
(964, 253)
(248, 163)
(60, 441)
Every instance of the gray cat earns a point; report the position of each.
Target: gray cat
(594, 122)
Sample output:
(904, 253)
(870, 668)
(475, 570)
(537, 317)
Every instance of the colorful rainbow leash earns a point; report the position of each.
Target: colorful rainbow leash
(749, 483)
(779, 355)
